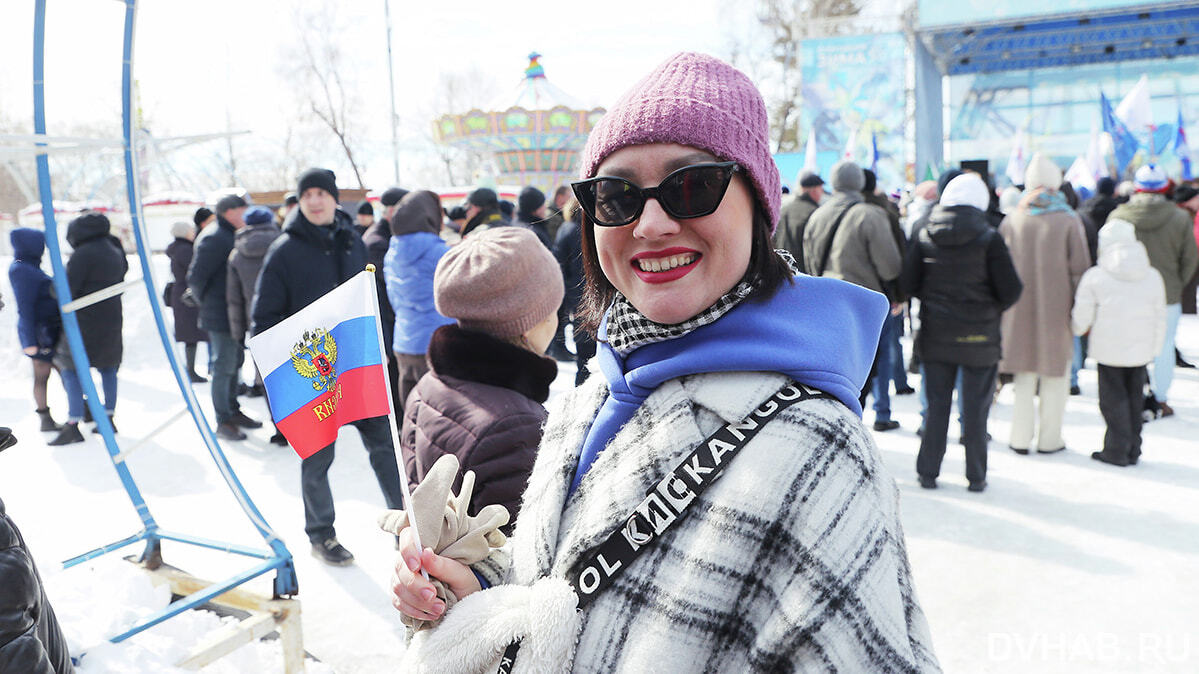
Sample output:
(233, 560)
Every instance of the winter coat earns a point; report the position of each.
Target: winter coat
(97, 263)
(962, 272)
(187, 329)
(1098, 208)
(1050, 254)
(208, 274)
(1166, 232)
(794, 560)
(863, 250)
(408, 271)
(304, 263)
(31, 641)
(38, 320)
(377, 239)
(1122, 303)
(792, 221)
(531, 223)
(568, 248)
(481, 401)
(245, 262)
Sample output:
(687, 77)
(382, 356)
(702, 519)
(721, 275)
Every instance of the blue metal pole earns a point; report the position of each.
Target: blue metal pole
(63, 289)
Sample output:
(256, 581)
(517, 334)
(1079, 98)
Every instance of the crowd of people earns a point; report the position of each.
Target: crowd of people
(702, 307)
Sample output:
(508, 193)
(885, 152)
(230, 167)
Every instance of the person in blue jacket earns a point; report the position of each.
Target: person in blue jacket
(408, 269)
(38, 320)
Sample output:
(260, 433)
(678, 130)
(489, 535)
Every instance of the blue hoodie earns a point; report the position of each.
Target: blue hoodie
(38, 320)
(821, 332)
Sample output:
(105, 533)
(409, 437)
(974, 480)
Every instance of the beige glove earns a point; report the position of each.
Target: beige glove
(444, 525)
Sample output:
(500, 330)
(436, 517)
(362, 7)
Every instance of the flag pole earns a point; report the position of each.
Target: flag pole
(391, 417)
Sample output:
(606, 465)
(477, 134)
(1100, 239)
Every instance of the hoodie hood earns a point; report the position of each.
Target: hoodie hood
(28, 245)
(253, 241)
(1127, 261)
(951, 226)
(87, 227)
(417, 212)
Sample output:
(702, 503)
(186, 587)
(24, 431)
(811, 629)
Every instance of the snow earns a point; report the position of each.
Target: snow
(1062, 565)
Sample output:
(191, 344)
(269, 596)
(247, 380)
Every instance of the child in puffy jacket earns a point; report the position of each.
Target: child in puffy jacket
(1121, 302)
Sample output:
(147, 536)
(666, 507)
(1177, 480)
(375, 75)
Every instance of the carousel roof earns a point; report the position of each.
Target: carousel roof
(535, 92)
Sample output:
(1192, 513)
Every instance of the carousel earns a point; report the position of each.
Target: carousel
(533, 140)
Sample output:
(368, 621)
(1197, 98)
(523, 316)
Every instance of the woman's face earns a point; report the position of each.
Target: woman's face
(699, 259)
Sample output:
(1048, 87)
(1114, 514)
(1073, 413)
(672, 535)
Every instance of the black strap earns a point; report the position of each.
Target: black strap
(667, 502)
(831, 237)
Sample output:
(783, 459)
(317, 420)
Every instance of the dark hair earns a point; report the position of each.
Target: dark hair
(200, 216)
(767, 271)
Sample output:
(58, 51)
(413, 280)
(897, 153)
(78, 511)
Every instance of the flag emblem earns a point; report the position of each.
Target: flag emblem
(313, 357)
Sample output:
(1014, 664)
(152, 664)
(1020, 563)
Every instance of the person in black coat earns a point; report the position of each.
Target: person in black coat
(569, 250)
(207, 279)
(98, 262)
(1098, 207)
(377, 240)
(961, 270)
(187, 329)
(31, 641)
(38, 322)
(318, 251)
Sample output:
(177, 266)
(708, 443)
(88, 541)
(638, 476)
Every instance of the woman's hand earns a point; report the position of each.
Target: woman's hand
(414, 596)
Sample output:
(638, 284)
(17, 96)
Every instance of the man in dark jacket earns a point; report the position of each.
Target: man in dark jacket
(318, 251)
(31, 641)
(530, 214)
(793, 219)
(890, 352)
(245, 262)
(207, 278)
(377, 240)
(961, 270)
(483, 211)
(98, 262)
(1098, 207)
(569, 251)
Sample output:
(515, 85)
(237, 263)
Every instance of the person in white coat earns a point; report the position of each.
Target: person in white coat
(1122, 304)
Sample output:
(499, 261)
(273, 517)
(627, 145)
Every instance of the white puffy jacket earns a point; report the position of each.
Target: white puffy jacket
(1122, 302)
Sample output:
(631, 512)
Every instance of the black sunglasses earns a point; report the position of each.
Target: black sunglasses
(690, 192)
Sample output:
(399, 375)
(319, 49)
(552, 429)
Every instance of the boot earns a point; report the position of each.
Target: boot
(7, 439)
(68, 435)
(196, 377)
(48, 423)
(1179, 361)
(96, 429)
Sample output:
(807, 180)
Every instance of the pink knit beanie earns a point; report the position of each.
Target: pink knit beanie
(501, 281)
(696, 100)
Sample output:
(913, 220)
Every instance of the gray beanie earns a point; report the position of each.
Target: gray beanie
(180, 229)
(500, 281)
(848, 177)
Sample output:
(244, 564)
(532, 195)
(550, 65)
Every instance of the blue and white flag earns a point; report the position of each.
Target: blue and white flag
(1123, 143)
(1182, 149)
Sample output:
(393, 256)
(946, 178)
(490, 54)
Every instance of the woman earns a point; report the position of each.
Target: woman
(1049, 248)
(481, 399)
(180, 253)
(794, 558)
(38, 321)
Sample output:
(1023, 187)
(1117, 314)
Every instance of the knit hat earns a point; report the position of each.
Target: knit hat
(483, 197)
(1042, 172)
(1116, 231)
(1105, 186)
(696, 100)
(392, 195)
(847, 177)
(530, 200)
(501, 281)
(228, 203)
(967, 189)
(258, 215)
(201, 215)
(318, 177)
(290, 199)
(365, 208)
(1150, 178)
(181, 228)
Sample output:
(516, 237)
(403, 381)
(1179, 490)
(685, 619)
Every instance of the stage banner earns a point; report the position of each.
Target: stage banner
(955, 12)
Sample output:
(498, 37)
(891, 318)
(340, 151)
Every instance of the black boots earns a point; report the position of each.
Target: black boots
(96, 429)
(7, 439)
(48, 423)
(69, 435)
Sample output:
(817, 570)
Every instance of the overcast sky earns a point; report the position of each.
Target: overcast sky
(196, 61)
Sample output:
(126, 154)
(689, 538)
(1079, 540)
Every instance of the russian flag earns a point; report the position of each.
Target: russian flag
(324, 367)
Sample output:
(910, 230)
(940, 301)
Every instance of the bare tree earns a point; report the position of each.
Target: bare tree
(458, 93)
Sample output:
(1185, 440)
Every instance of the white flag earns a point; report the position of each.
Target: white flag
(1016, 161)
(1079, 175)
(809, 153)
(1134, 110)
(851, 146)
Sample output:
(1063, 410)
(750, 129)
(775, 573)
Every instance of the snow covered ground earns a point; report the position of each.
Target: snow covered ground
(1062, 565)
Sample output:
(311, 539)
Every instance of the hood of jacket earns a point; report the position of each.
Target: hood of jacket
(950, 226)
(28, 245)
(479, 357)
(417, 212)
(1126, 260)
(1148, 211)
(252, 241)
(87, 227)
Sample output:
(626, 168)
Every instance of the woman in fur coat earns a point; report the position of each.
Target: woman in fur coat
(646, 541)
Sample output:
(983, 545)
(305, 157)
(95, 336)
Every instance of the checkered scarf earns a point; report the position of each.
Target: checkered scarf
(629, 329)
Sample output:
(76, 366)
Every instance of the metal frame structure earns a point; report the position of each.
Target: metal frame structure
(276, 557)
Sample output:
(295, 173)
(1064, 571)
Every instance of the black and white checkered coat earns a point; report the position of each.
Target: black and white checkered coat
(793, 561)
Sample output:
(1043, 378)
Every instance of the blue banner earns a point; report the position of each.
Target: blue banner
(950, 12)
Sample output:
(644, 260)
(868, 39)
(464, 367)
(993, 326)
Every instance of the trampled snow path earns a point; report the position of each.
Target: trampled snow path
(1062, 565)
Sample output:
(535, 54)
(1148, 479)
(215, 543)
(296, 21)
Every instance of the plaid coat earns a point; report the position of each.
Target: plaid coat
(794, 560)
